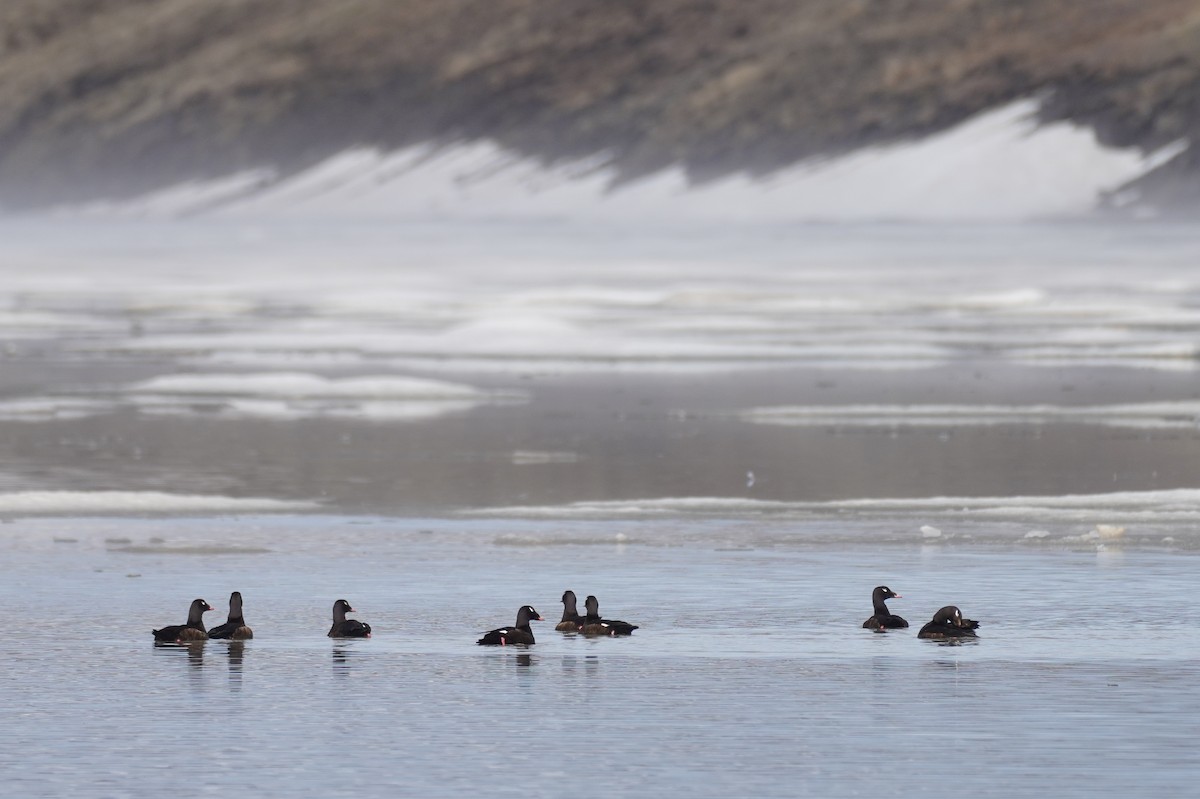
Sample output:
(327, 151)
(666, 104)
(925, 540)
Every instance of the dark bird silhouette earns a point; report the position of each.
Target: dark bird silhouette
(592, 624)
(570, 618)
(948, 622)
(235, 627)
(882, 619)
(347, 628)
(519, 633)
(193, 630)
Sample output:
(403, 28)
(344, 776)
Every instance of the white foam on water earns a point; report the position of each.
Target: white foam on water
(75, 503)
(1148, 415)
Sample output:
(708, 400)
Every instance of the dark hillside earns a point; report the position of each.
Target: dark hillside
(112, 97)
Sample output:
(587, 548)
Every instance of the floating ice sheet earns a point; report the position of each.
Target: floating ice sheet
(137, 503)
(1174, 505)
(1148, 415)
(279, 395)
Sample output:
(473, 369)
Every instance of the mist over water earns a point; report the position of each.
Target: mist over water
(408, 367)
(729, 435)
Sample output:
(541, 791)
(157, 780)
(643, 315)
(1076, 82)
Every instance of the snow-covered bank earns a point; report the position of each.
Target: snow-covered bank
(999, 165)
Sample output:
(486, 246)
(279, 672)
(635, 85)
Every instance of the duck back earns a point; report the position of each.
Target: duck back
(234, 628)
(594, 625)
(518, 634)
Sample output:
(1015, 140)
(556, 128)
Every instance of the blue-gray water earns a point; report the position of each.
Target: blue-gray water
(730, 436)
(749, 676)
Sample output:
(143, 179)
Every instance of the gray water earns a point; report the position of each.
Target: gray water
(730, 437)
(749, 676)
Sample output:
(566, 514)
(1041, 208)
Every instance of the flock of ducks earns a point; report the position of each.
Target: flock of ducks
(236, 629)
(948, 622)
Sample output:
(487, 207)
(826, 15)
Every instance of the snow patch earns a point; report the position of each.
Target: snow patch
(1000, 164)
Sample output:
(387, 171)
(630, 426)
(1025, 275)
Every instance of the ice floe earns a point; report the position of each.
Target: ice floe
(136, 503)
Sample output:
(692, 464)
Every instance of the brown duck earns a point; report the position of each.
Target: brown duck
(570, 618)
(235, 627)
(192, 631)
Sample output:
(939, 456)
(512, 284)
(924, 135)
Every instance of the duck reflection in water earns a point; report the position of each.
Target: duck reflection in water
(571, 663)
(237, 650)
(957, 642)
(342, 657)
(194, 651)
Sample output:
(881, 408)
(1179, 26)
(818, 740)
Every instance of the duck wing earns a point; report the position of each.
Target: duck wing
(506, 636)
(169, 634)
(617, 627)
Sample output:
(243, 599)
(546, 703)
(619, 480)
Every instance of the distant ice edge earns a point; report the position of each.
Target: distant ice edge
(139, 503)
(1101, 523)
(1173, 415)
(999, 165)
(1170, 504)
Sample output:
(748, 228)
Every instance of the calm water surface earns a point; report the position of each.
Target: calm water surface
(729, 436)
(749, 675)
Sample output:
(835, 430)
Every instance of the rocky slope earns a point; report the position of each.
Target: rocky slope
(108, 98)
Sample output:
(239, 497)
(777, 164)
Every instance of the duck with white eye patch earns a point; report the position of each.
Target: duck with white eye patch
(193, 630)
(347, 628)
(883, 619)
(948, 622)
(520, 633)
(592, 624)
